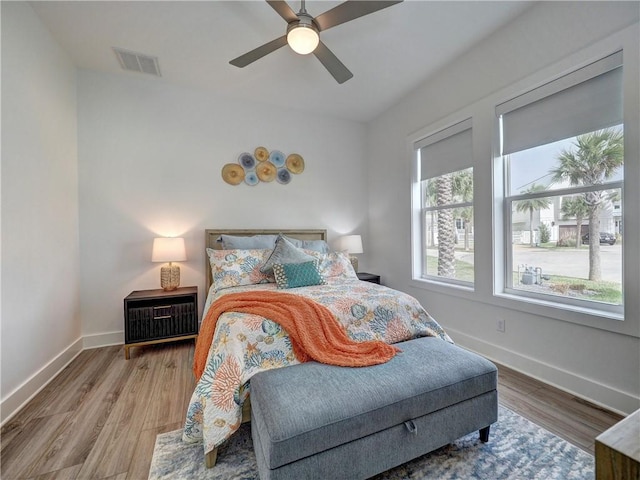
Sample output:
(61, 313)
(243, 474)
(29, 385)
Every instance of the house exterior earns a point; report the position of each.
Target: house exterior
(563, 229)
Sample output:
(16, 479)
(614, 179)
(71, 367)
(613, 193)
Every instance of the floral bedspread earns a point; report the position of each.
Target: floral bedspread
(245, 344)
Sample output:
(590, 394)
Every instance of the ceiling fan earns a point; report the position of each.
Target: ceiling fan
(303, 33)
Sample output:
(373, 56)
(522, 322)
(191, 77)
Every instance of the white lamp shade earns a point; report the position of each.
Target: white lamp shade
(168, 250)
(352, 244)
(303, 39)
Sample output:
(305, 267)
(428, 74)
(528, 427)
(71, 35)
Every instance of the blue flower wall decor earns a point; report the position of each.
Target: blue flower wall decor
(263, 167)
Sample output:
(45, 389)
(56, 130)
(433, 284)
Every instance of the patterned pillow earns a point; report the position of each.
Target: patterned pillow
(334, 264)
(231, 268)
(292, 275)
(284, 252)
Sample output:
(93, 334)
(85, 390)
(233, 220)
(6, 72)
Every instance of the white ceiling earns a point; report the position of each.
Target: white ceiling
(390, 52)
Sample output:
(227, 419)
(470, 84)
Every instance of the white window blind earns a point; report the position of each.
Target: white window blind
(446, 151)
(583, 101)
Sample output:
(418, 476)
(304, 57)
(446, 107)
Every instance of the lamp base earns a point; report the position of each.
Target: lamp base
(354, 262)
(170, 277)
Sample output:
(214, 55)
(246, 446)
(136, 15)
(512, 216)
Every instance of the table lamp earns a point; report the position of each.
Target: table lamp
(169, 250)
(353, 245)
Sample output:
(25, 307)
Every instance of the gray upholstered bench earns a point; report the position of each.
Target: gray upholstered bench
(320, 421)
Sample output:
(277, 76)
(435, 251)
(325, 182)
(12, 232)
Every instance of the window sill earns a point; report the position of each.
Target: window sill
(443, 287)
(559, 307)
(599, 319)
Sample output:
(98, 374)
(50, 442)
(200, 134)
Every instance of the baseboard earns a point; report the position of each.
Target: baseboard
(103, 339)
(602, 395)
(30, 388)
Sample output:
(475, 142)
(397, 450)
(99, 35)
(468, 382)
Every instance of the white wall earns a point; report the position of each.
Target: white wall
(150, 158)
(148, 163)
(40, 292)
(547, 40)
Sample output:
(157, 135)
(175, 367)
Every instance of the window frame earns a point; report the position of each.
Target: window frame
(418, 225)
(423, 214)
(488, 194)
(504, 286)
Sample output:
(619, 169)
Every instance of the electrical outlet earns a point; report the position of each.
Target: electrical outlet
(500, 325)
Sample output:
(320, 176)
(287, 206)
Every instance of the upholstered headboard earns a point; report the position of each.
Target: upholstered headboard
(211, 239)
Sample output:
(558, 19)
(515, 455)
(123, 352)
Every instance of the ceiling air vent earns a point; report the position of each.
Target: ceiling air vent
(137, 62)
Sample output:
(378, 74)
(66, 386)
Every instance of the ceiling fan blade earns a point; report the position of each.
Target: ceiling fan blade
(331, 63)
(283, 10)
(350, 10)
(258, 53)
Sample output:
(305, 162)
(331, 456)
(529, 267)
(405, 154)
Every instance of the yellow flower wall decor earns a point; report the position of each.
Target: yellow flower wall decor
(263, 166)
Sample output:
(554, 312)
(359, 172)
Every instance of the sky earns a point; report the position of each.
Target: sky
(533, 165)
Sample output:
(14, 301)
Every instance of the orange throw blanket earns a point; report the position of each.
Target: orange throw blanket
(315, 333)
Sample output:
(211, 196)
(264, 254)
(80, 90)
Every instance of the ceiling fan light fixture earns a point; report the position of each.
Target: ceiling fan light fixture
(303, 37)
(303, 32)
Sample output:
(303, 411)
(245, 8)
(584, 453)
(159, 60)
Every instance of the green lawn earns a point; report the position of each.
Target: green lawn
(609, 292)
(464, 270)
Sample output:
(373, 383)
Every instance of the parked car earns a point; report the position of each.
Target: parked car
(605, 237)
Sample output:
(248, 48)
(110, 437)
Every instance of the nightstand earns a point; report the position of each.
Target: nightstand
(158, 316)
(369, 277)
(617, 451)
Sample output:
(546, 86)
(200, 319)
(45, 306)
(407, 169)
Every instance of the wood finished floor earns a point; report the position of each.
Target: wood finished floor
(98, 419)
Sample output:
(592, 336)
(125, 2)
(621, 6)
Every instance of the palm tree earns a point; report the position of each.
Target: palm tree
(531, 205)
(431, 194)
(575, 206)
(596, 158)
(437, 193)
(463, 188)
(446, 227)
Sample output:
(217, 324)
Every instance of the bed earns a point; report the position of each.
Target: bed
(245, 344)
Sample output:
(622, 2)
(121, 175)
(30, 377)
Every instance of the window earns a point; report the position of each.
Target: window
(446, 205)
(562, 155)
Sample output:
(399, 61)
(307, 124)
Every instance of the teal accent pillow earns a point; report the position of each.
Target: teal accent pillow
(284, 252)
(292, 275)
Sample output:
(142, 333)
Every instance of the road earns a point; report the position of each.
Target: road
(568, 262)
(571, 262)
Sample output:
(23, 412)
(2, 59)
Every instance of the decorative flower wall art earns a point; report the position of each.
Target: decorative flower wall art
(263, 166)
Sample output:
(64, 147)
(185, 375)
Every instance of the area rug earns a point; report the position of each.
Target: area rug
(517, 450)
